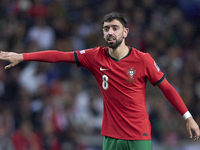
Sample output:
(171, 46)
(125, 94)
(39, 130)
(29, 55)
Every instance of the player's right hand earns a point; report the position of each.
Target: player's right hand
(13, 58)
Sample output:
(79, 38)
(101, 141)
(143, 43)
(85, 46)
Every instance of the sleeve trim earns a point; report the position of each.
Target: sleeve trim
(159, 82)
(187, 115)
(76, 59)
(24, 56)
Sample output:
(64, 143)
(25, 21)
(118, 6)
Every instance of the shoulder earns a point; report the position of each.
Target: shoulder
(94, 51)
(140, 54)
(97, 49)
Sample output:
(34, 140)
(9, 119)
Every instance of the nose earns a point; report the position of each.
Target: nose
(110, 32)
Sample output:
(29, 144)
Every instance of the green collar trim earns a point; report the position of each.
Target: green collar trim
(121, 58)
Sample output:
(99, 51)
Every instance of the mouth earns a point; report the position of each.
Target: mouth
(111, 40)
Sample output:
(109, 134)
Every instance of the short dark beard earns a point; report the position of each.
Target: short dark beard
(114, 45)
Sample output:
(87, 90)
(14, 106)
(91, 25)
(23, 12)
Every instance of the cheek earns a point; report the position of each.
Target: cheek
(104, 35)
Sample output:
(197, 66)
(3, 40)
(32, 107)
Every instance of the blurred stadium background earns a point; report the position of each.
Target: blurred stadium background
(47, 106)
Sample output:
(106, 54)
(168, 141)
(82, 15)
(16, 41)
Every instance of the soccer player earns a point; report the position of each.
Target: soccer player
(121, 72)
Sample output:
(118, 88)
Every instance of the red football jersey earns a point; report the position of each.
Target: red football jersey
(122, 84)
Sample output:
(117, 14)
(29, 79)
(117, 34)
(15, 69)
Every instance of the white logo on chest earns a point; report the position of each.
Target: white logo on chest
(103, 69)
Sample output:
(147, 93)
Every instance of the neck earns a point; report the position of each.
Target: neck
(120, 52)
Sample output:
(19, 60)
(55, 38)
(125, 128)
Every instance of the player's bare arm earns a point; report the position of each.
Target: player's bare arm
(13, 58)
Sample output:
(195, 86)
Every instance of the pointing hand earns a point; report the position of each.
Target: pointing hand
(13, 58)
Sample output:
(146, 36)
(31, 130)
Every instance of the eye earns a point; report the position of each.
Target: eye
(106, 29)
(115, 28)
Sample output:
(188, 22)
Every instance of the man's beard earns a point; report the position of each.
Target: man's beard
(114, 45)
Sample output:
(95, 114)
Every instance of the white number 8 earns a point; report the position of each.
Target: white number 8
(105, 82)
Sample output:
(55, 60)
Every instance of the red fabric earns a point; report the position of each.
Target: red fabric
(50, 56)
(122, 84)
(173, 97)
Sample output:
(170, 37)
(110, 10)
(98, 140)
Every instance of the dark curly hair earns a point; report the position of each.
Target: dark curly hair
(115, 15)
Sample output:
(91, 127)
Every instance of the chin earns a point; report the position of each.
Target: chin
(114, 45)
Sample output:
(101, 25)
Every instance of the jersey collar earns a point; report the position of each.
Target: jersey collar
(121, 58)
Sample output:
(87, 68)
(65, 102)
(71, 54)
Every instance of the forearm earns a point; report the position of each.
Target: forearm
(174, 98)
(50, 56)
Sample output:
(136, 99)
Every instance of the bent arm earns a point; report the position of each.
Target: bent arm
(174, 98)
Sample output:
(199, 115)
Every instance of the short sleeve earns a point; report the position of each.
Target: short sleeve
(152, 70)
(84, 58)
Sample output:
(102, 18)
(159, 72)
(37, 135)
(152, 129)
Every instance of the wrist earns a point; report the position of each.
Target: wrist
(187, 115)
(21, 57)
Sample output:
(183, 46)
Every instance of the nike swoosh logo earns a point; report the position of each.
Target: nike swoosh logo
(103, 69)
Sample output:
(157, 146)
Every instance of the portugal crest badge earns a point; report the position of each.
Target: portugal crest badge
(131, 72)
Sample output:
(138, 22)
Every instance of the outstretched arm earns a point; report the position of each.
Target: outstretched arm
(42, 56)
(174, 98)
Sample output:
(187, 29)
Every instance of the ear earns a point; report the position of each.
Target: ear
(125, 34)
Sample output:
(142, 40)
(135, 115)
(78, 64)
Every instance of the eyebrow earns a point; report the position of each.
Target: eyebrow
(110, 26)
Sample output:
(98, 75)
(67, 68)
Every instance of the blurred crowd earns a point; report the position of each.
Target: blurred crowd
(46, 106)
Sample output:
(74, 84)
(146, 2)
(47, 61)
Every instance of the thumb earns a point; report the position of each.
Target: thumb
(8, 66)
